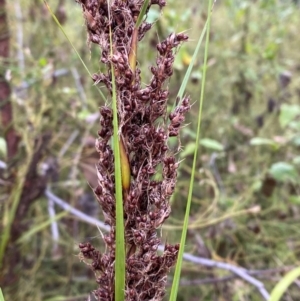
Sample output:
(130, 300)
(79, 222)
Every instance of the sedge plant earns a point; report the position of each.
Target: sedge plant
(137, 172)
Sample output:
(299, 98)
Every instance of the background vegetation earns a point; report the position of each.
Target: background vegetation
(246, 202)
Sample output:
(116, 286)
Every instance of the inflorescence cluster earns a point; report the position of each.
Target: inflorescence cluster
(144, 130)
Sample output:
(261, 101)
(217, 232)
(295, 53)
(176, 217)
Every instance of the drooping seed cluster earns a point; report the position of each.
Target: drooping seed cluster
(144, 129)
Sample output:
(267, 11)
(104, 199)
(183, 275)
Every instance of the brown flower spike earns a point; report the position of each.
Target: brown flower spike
(150, 166)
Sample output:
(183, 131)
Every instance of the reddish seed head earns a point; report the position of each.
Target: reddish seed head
(140, 108)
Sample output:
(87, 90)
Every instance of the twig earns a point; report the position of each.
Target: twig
(259, 273)
(54, 226)
(76, 212)
(3, 165)
(240, 272)
(19, 37)
(206, 281)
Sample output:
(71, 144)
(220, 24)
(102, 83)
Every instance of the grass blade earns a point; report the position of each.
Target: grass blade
(284, 283)
(175, 284)
(1, 295)
(141, 14)
(40, 227)
(72, 45)
(120, 240)
(122, 169)
(192, 63)
(10, 209)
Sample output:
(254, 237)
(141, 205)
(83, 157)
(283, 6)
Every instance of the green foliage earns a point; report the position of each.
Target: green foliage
(282, 172)
(120, 242)
(288, 113)
(178, 269)
(282, 286)
(211, 144)
(263, 141)
(39, 227)
(3, 147)
(1, 296)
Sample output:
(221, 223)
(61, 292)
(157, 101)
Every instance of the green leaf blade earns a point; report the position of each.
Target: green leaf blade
(282, 286)
(175, 284)
(288, 113)
(256, 141)
(142, 14)
(283, 172)
(120, 239)
(212, 144)
(1, 295)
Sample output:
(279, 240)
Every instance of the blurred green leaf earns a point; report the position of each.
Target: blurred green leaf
(282, 171)
(285, 13)
(212, 144)
(296, 140)
(68, 90)
(265, 4)
(3, 147)
(270, 51)
(256, 186)
(39, 227)
(295, 125)
(294, 199)
(296, 160)
(1, 295)
(288, 113)
(83, 114)
(56, 298)
(43, 61)
(153, 15)
(284, 283)
(189, 132)
(262, 141)
(251, 74)
(188, 150)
